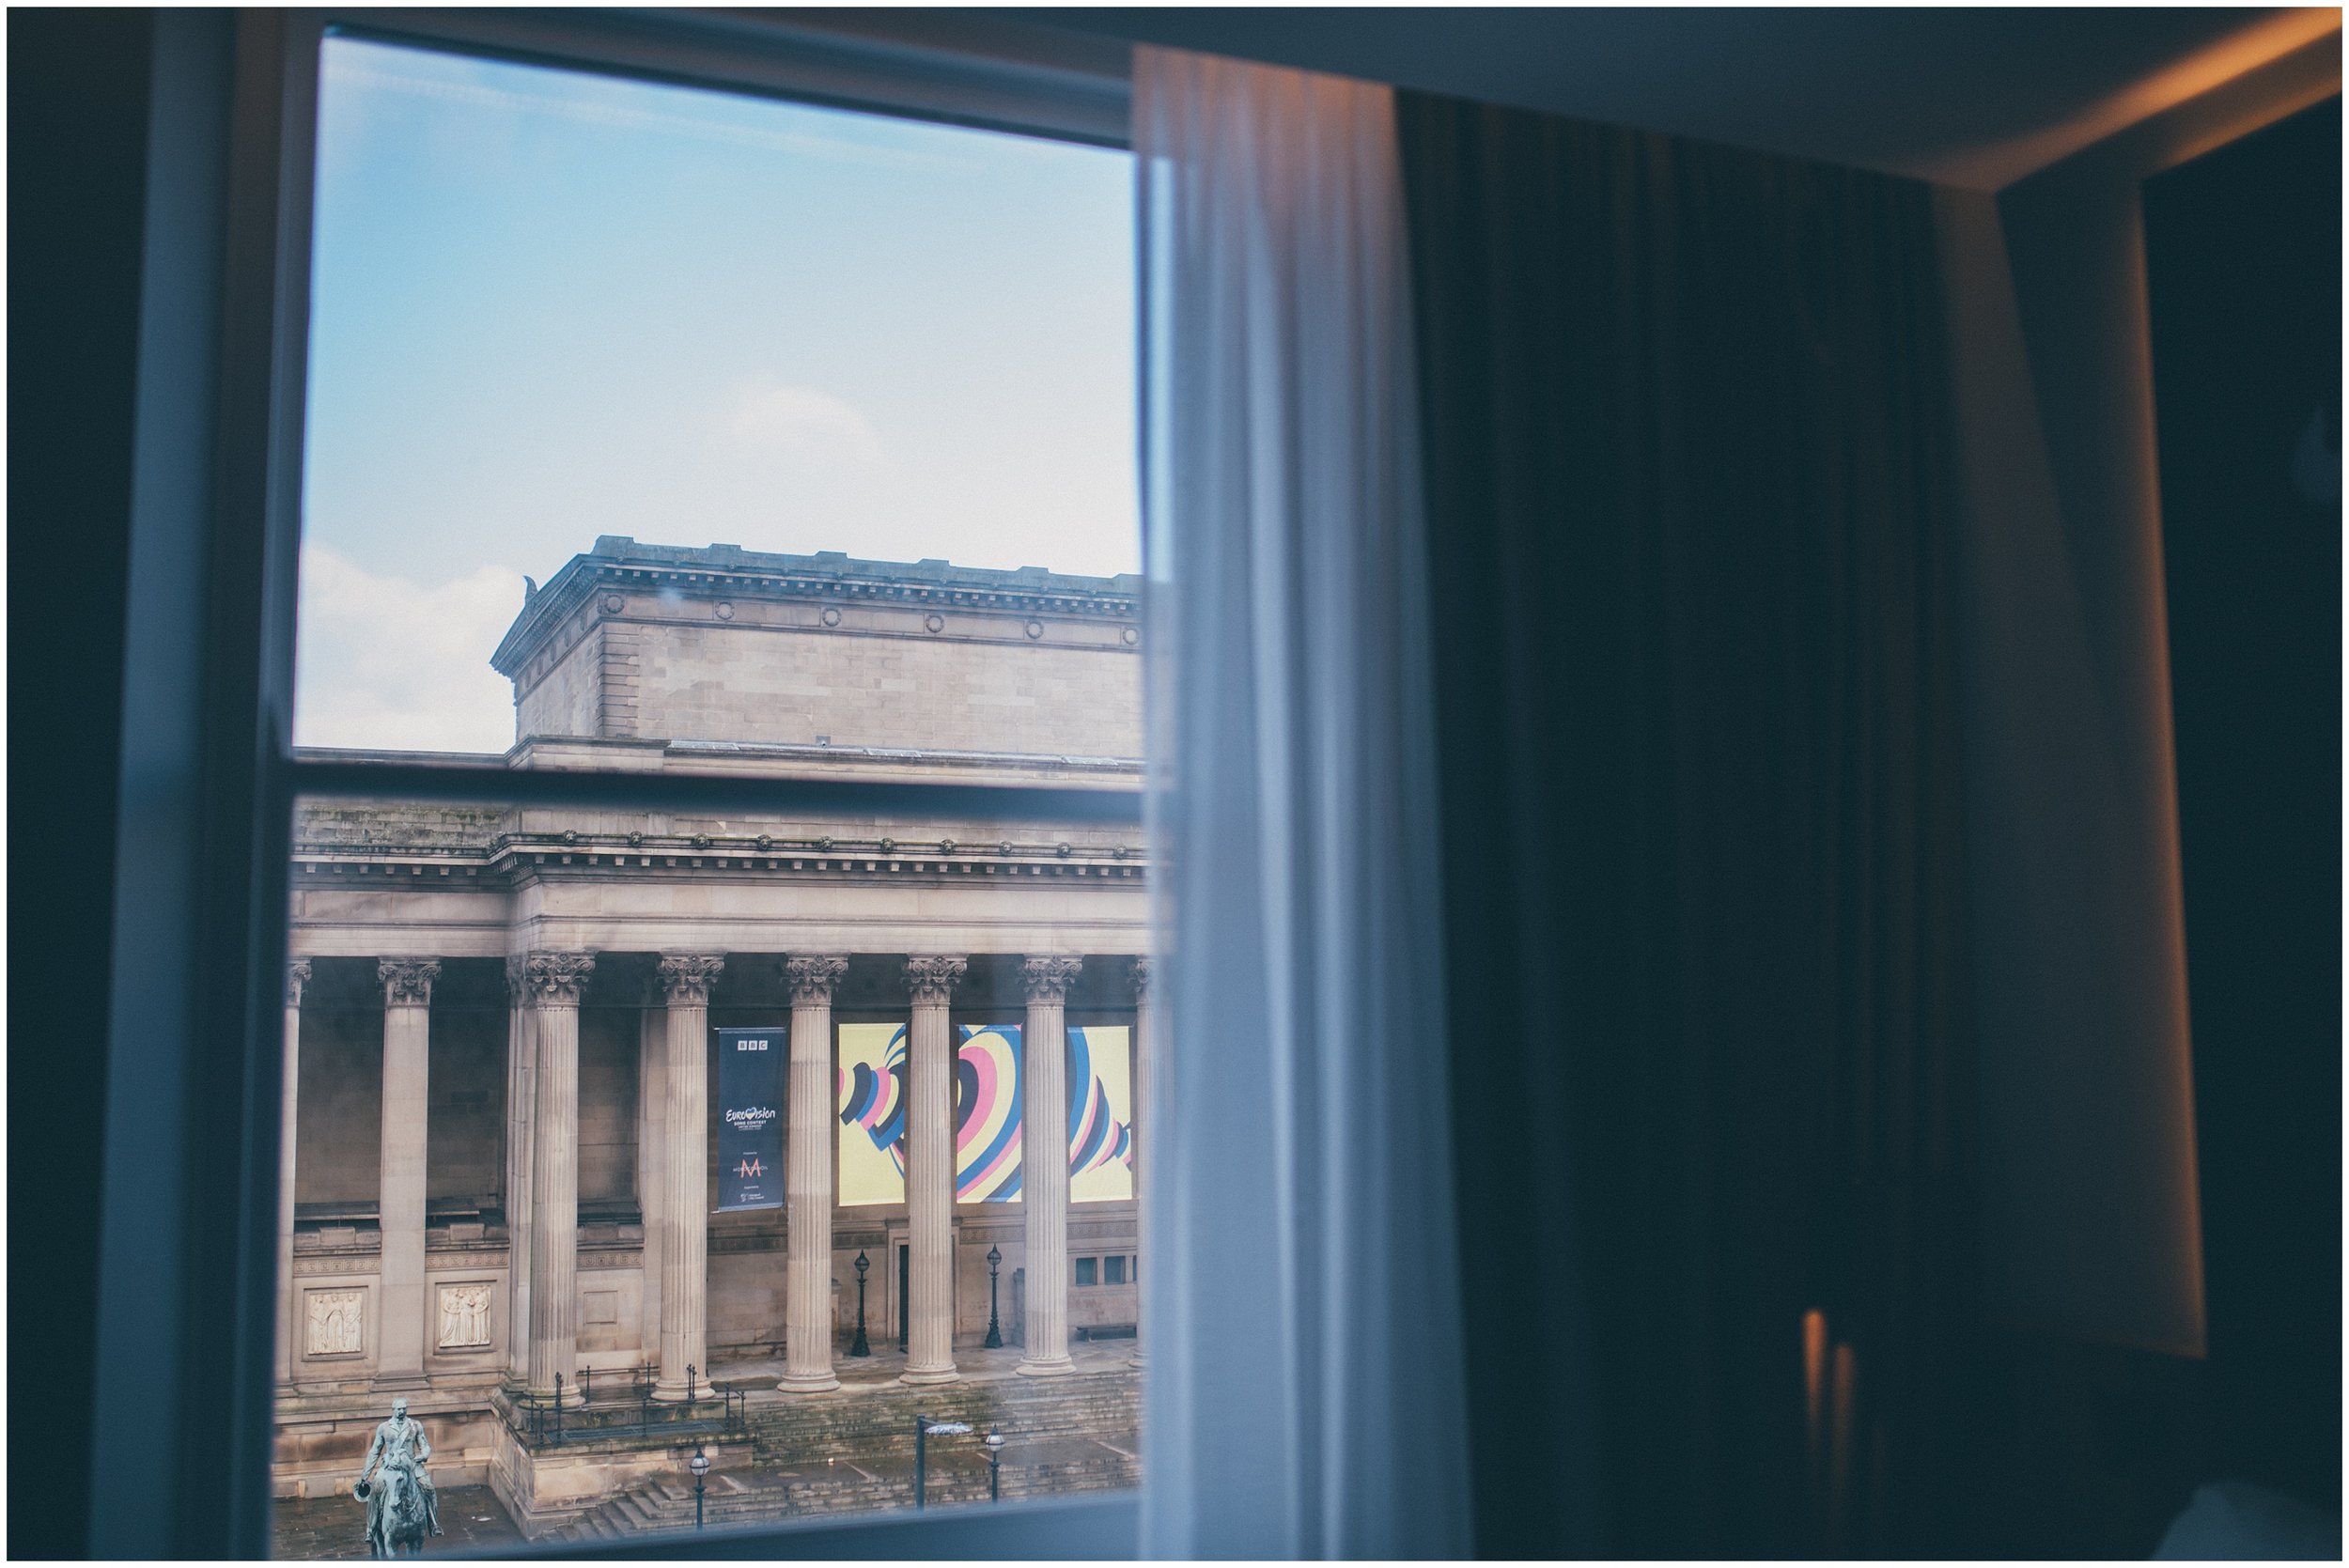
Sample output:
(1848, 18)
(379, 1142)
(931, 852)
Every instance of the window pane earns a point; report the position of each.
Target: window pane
(721, 1120)
(567, 330)
(511, 1032)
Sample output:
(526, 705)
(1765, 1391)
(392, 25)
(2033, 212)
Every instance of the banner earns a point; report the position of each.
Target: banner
(872, 1076)
(750, 1119)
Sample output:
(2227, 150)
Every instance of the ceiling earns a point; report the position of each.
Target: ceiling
(1974, 98)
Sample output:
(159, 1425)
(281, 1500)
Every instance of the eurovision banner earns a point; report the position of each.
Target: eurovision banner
(987, 1114)
(750, 1119)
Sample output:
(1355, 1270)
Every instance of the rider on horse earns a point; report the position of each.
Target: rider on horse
(399, 1443)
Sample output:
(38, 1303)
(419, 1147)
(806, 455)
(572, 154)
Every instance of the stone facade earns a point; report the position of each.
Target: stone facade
(649, 659)
(632, 642)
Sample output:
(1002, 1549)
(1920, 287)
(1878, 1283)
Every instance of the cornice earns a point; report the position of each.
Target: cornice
(624, 568)
(513, 859)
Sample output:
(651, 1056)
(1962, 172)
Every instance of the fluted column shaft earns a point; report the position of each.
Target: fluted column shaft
(290, 1104)
(808, 1175)
(1044, 1161)
(686, 979)
(1142, 1134)
(555, 980)
(930, 1168)
(399, 1200)
(521, 1114)
(652, 1158)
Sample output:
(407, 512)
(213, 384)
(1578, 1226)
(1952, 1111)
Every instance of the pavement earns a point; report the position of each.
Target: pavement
(472, 1523)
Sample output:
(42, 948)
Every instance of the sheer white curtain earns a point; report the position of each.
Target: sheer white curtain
(1305, 1395)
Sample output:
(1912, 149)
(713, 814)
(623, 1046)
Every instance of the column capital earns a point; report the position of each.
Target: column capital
(931, 977)
(812, 975)
(555, 978)
(685, 977)
(1144, 977)
(517, 979)
(407, 982)
(297, 976)
(1047, 977)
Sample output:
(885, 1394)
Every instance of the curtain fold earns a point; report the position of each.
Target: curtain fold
(1304, 1382)
(1692, 527)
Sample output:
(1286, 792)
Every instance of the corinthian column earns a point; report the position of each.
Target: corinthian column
(930, 1170)
(1044, 1161)
(685, 977)
(653, 1159)
(399, 1200)
(1145, 1063)
(807, 1183)
(297, 976)
(521, 1114)
(555, 980)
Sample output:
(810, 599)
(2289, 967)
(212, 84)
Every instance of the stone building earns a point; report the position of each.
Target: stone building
(498, 1016)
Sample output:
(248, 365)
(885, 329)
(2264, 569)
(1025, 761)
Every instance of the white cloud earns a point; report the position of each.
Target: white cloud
(388, 663)
(801, 424)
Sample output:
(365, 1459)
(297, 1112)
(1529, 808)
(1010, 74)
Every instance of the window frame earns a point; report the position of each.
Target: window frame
(183, 1392)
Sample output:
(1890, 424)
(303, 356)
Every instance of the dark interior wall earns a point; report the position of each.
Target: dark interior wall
(2083, 979)
(340, 1095)
(2243, 249)
(339, 1110)
(2095, 1423)
(77, 167)
(465, 1133)
(608, 1063)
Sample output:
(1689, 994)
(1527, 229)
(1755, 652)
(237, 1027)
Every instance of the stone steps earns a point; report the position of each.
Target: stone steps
(880, 1422)
(660, 1509)
(665, 1504)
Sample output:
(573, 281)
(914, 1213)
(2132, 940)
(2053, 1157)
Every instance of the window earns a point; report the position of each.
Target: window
(1114, 1269)
(519, 970)
(1088, 1271)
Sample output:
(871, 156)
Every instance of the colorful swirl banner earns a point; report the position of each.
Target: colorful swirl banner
(876, 1101)
(986, 1111)
(1095, 1137)
(986, 1114)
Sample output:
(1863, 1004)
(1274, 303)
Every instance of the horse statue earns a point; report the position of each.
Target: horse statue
(403, 1507)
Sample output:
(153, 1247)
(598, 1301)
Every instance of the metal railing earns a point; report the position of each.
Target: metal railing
(550, 1422)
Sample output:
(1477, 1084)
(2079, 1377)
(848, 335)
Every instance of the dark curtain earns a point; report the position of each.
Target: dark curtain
(1692, 519)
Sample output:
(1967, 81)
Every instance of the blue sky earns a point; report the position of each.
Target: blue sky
(548, 306)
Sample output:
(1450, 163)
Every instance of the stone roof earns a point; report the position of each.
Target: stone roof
(731, 571)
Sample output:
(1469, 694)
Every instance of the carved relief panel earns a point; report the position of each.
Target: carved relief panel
(464, 1317)
(333, 1321)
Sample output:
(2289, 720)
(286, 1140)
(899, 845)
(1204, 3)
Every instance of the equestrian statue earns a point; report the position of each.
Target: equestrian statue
(402, 1506)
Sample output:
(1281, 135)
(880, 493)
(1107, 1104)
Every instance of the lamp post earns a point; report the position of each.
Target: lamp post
(860, 1345)
(995, 1463)
(923, 1427)
(994, 1325)
(699, 1465)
